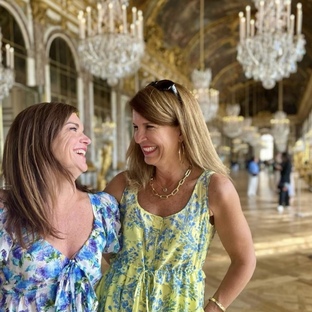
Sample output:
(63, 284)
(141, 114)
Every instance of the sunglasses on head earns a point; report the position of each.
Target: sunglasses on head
(166, 85)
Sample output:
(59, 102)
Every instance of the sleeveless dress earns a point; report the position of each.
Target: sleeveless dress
(41, 278)
(159, 267)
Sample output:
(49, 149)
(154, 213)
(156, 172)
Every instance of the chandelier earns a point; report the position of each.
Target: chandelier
(249, 132)
(280, 123)
(215, 136)
(207, 97)
(6, 73)
(238, 146)
(109, 46)
(104, 130)
(233, 123)
(280, 130)
(271, 53)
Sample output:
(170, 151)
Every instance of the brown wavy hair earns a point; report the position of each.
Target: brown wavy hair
(30, 170)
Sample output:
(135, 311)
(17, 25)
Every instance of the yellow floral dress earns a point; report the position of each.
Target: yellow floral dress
(159, 267)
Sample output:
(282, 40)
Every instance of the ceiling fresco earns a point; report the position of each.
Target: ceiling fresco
(177, 24)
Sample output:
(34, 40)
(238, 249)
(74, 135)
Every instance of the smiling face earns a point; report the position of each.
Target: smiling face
(159, 144)
(70, 146)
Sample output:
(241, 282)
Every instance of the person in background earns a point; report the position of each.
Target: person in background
(276, 169)
(173, 197)
(253, 177)
(53, 231)
(284, 184)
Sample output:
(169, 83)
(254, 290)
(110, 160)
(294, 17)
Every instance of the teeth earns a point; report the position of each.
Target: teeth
(80, 152)
(149, 149)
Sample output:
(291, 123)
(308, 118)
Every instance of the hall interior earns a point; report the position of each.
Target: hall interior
(282, 281)
(179, 38)
(76, 52)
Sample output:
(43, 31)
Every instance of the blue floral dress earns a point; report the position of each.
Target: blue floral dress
(159, 267)
(41, 278)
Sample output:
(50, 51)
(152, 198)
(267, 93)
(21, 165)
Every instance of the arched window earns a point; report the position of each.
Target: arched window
(13, 36)
(63, 73)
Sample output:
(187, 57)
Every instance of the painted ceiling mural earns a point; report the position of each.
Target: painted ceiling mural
(172, 34)
(176, 26)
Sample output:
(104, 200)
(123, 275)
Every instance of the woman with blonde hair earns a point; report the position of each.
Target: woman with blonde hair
(173, 197)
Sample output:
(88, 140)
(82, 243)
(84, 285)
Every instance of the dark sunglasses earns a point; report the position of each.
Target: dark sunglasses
(167, 85)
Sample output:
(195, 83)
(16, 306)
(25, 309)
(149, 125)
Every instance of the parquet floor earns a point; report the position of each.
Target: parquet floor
(282, 281)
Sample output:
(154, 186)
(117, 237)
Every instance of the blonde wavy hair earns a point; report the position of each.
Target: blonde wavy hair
(171, 108)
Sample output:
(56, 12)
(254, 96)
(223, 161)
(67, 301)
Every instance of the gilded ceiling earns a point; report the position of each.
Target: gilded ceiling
(172, 28)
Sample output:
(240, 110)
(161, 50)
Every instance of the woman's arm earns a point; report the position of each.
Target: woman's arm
(236, 238)
(115, 188)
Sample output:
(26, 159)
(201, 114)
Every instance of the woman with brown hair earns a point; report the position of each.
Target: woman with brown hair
(53, 231)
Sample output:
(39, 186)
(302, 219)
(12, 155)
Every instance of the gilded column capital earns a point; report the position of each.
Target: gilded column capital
(39, 10)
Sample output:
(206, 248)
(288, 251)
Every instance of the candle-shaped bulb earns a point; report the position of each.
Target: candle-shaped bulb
(134, 11)
(299, 18)
(12, 57)
(99, 21)
(88, 9)
(247, 20)
(7, 55)
(111, 17)
(124, 18)
(252, 27)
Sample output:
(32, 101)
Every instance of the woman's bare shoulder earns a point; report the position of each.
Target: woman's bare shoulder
(220, 184)
(222, 192)
(117, 185)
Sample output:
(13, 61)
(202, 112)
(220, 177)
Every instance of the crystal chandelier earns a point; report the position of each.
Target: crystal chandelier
(207, 97)
(104, 131)
(239, 146)
(109, 46)
(233, 123)
(280, 123)
(249, 132)
(215, 136)
(271, 53)
(7, 77)
(280, 130)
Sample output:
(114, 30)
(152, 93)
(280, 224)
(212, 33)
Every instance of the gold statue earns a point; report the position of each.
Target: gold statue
(106, 161)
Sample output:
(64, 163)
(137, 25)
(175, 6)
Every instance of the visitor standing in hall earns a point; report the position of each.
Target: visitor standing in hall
(284, 184)
(253, 176)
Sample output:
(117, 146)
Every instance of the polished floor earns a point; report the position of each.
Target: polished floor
(282, 281)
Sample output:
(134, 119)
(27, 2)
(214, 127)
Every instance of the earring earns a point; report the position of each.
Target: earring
(181, 153)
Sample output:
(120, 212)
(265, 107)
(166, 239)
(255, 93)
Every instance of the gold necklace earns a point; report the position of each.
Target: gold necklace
(176, 190)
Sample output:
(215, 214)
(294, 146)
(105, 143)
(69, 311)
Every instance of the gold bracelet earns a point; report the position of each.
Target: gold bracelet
(217, 303)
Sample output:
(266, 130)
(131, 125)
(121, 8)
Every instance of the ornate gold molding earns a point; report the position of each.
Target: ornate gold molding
(39, 10)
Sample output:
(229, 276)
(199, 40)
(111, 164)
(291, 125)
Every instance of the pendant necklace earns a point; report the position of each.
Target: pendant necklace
(164, 189)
